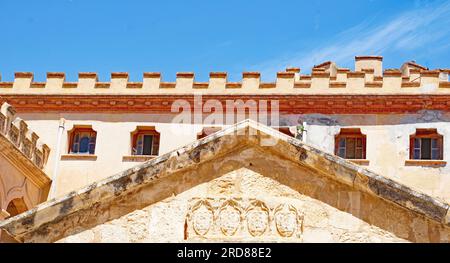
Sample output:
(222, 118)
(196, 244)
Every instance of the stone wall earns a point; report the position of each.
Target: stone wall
(194, 216)
(253, 187)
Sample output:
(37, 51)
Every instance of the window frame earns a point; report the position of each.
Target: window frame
(351, 133)
(431, 134)
(80, 130)
(142, 131)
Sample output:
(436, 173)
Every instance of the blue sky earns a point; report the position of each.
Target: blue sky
(201, 36)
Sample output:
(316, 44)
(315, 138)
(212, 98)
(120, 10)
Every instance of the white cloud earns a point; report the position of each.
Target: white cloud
(408, 31)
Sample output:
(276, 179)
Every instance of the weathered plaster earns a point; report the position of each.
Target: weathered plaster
(259, 163)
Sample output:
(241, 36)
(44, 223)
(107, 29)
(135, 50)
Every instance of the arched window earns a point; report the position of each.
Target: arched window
(426, 144)
(145, 141)
(82, 140)
(350, 143)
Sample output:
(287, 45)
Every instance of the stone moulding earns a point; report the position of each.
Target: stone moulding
(40, 219)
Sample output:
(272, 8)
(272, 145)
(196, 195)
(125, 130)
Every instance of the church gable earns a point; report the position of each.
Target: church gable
(245, 183)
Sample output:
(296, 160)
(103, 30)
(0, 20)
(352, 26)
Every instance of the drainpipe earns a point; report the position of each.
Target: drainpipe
(57, 157)
(304, 132)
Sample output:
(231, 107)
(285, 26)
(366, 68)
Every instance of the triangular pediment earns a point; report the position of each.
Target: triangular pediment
(249, 168)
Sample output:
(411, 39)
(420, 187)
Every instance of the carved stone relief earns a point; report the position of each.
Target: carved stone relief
(238, 218)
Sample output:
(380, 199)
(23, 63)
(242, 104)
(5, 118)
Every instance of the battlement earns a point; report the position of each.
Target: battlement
(16, 131)
(326, 78)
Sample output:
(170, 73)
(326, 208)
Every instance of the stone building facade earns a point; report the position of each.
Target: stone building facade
(112, 167)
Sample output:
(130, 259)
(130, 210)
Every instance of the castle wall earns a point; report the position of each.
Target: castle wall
(387, 143)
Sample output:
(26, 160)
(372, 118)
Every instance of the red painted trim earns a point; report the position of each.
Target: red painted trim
(288, 104)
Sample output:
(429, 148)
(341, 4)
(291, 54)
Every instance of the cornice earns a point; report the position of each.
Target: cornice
(298, 104)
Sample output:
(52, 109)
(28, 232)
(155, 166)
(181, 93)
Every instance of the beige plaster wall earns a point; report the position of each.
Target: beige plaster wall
(387, 143)
(14, 185)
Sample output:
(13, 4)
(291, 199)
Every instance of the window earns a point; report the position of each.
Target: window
(145, 141)
(426, 144)
(82, 140)
(350, 144)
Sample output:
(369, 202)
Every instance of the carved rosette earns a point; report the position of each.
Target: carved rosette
(202, 217)
(242, 219)
(257, 218)
(287, 220)
(230, 216)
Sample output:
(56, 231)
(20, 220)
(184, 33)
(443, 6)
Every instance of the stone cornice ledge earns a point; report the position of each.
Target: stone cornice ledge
(40, 219)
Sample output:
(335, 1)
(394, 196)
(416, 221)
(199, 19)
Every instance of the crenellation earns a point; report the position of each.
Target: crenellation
(325, 78)
(70, 85)
(218, 75)
(369, 62)
(320, 74)
(134, 85)
(22, 80)
(87, 81)
(233, 85)
(55, 82)
(167, 85)
(17, 132)
(392, 73)
(430, 73)
(296, 72)
(200, 85)
(369, 74)
(102, 85)
(268, 85)
(328, 66)
(37, 85)
(56, 75)
(341, 74)
(151, 81)
(285, 75)
(443, 76)
(285, 82)
(88, 75)
(23, 75)
(338, 84)
(6, 85)
(184, 81)
(119, 81)
(217, 81)
(185, 75)
(251, 82)
(119, 75)
(303, 82)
